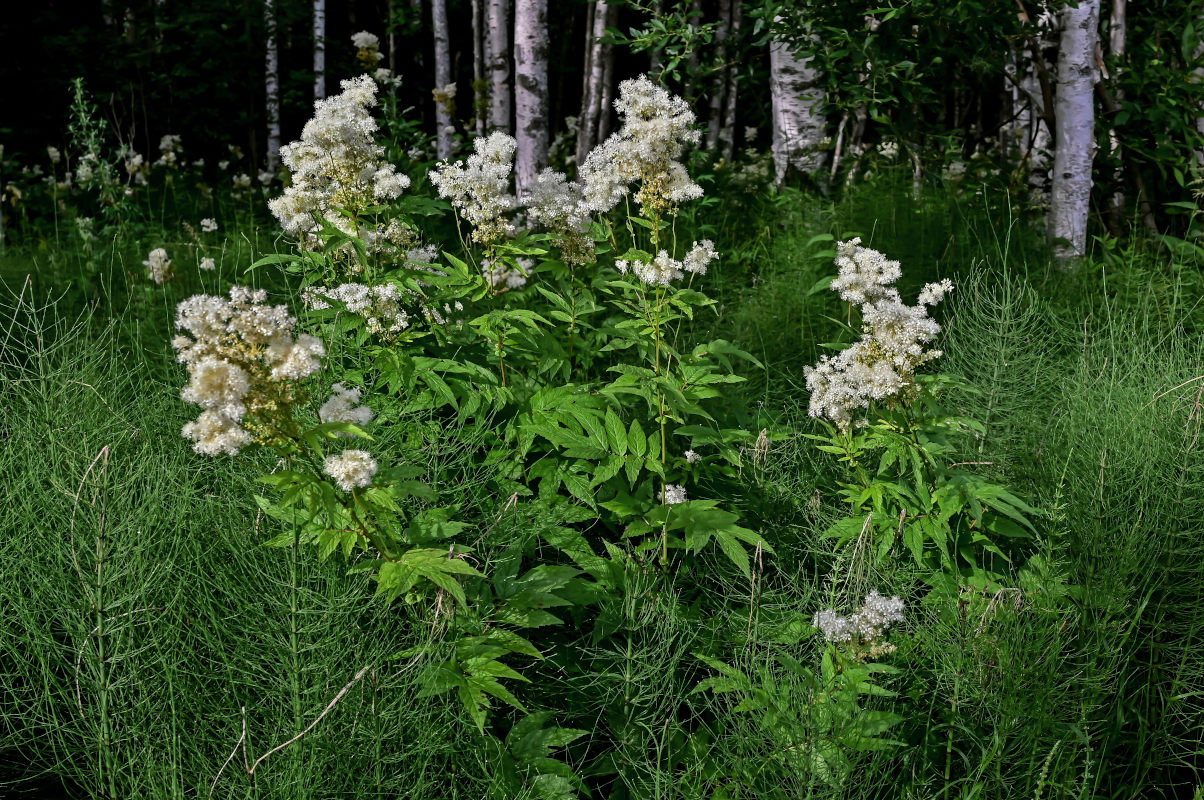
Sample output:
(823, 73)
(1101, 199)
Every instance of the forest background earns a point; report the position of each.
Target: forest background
(614, 618)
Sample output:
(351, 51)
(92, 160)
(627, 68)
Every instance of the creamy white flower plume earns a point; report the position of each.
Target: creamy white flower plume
(351, 469)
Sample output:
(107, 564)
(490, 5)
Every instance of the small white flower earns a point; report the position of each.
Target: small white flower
(208, 263)
(208, 225)
(674, 494)
(158, 265)
(692, 457)
(351, 469)
(342, 407)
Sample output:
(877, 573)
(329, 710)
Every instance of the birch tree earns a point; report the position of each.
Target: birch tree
(727, 132)
(319, 49)
(592, 83)
(1074, 129)
(797, 102)
(1116, 48)
(606, 97)
(272, 86)
(500, 102)
(444, 88)
(480, 104)
(530, 89)
(1029, 134)
(719, 82)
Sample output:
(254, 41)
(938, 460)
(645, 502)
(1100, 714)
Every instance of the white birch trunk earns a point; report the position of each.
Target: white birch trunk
(1075, 129)
(591, 94)
(727, 133)
(500, 97)
(480, 101)
(272, 86)
(319, 49)
(1116, 47)
(719, 84)
(530, 89)
(798, 121)
(606, 97)
(443, 117)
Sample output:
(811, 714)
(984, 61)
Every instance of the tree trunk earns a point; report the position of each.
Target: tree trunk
(606, 97)
(530, 89)
(719, 84)
(443, 79)
(1116, 48)
(319, 49)
(798, 121)
(1075, 130)
(500, 97)
(591, 88)
(727, 133)
(480, 100)
(272, 86)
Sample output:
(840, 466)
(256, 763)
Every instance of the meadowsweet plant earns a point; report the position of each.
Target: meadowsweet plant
(863, 632)
(910, 490)
(337, 169)
(543, 347)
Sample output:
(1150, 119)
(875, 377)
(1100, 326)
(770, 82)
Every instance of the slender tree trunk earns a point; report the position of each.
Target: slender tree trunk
(607, 96)
(319, 49)
(690, 89)
(392, 29)
(530, 89)
(500, 96)
(727, 133)
(443, 79)
(1075, 130)
(719, 83)
(1116, 48)
(798, 121)
(591, 88)
(480, 99)
(272, 86)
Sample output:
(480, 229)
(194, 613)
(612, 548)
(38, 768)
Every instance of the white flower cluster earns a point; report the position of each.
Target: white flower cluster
(866, 627)
(380, 306)
(336, 163)
(158, 266)
(367, 46)
(136, 168)
(343, 406)
(243, 361)
(351, 469)
(208, 225)
(479, 187)
(365, 40)
(664, 269)
(864, 275)
(208, 263)
(656, 128)
(54, 154)
(499, 273)
(674, 494)
(558, 204)
(883, 362)
(169, 151)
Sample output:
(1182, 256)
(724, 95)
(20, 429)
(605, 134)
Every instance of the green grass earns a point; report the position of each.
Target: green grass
(144, 624)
